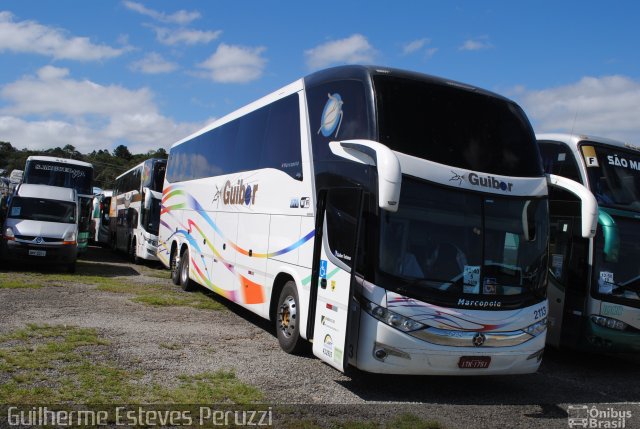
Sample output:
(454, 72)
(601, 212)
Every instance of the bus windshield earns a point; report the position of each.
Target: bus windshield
(452, 242)
(42, 210)
(463, 129)
(616, 269)
(615, 181)
(76, 177)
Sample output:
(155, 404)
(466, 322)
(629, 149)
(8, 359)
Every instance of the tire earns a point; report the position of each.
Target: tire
(71, 268)
(185, 281)
(288, 319)
(174, 266)
(114, 244)
(133, 252)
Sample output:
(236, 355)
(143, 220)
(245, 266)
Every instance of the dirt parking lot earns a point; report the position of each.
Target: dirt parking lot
(117, 332)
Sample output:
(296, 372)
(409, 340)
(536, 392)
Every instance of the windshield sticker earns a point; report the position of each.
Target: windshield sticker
(15, 211)
(623, 162)
(605, 283)
(331, 116)
(589, 153)
(557, 260)
(562, 157)
(490, 285)
(471, 278)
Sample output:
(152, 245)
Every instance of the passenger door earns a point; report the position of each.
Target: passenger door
(332, 311)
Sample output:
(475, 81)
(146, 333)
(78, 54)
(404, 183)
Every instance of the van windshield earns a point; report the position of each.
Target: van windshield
(42, 210)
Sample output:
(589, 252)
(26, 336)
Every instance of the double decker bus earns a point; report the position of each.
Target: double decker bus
(594, 284)
(397, 221)
(134, 213)
(66, 173)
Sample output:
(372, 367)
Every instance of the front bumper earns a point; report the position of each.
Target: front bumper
(409, 355)
(22, 252)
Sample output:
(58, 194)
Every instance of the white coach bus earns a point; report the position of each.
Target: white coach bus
(135, 210)
(397, 221)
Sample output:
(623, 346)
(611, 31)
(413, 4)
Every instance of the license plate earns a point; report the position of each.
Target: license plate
(474, 362)
(37, 253)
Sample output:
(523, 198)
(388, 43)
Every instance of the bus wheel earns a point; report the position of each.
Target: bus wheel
(133, 252)
(185, 281)
(175, 268)
(288, 319)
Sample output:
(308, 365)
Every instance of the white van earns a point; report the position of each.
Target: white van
(42, 226)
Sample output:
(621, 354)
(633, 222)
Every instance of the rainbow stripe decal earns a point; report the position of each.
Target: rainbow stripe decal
(174, 198)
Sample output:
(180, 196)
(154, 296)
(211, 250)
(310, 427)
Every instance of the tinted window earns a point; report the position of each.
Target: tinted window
(265, 138)
(455, 126)
(49, 173)
(558, 159)
(43, 210)
(337, 111)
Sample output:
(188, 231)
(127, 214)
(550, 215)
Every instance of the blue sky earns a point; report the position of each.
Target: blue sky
(96, 74)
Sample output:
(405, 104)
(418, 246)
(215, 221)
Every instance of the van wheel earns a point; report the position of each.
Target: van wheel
(174, 266)
(133, 252)
(185, 281)
(288, 319)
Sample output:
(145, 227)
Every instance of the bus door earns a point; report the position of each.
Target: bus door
(332, 310)
(568, 282)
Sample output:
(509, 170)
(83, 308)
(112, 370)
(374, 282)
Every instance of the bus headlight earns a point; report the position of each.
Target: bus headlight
(392, 319)
(537, 328)
(152, 242)
(608, 322)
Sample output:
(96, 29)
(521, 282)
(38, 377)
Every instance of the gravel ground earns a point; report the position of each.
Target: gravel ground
(234, 339)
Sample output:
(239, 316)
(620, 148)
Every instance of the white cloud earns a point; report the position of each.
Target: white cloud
(185, 36)
(180, 17)
(234, 64)
(35, 38)
(51, 109)
(353, 49)
(419, 45)
(414, 46)
(607, 106)
(477, 44)
(50, 94)
(154, 63)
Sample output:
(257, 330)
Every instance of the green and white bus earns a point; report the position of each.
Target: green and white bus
(594, 284)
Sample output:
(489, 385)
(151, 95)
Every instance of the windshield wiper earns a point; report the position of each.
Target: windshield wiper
(618, 288)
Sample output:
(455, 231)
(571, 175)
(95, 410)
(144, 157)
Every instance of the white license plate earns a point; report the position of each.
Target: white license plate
(37, 253)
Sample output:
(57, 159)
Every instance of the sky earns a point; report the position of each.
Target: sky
(97, 74)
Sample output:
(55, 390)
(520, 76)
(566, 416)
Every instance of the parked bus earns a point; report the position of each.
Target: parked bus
(41, 227)
(135, 210)
(396, 220)
(594, 284)
(65, 173)
(100, 219)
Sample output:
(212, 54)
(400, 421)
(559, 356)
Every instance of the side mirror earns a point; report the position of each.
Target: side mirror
(376, 154)
(589, 205)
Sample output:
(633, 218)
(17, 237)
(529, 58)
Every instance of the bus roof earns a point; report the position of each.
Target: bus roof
(348, 72)
(46, 191)
(574, 139)
(60, 160)
(140, 165)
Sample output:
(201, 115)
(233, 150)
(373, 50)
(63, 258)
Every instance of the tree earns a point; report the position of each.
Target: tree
(122, 152)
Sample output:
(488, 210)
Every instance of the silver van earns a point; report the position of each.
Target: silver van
(42, 226)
